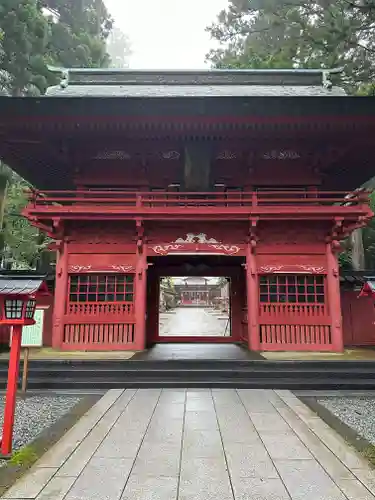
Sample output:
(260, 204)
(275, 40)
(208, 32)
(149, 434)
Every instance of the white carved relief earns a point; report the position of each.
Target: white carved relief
(270, 269)
(196, 238)
(164, 249)
(306, 268)
(229, 249)
(80, 269)
(122, 268)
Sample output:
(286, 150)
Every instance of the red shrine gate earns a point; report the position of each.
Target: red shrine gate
(225, 165)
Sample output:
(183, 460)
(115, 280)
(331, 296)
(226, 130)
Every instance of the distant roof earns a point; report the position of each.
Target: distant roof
(209, 83)
(20, 283)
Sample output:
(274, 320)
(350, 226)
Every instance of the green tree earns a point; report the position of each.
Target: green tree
(299, 34)
(23, 245)
(78, 33)
(23, 40)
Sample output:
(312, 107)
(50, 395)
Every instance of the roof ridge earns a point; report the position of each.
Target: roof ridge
(221, 77)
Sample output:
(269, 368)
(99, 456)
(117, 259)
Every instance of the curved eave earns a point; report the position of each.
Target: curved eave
(88, 112)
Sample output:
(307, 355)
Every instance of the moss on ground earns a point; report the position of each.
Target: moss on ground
(24, 457)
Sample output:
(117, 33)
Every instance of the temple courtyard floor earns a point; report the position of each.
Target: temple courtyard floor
(176, 444)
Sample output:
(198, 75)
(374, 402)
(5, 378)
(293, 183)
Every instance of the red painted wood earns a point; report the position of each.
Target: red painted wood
(61, 289)
(333, 288)
(358, 319)
(140, 300)
(253, 339)
(11, 392)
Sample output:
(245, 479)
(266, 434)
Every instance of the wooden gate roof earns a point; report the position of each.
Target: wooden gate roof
(209, 83)
(44, 138)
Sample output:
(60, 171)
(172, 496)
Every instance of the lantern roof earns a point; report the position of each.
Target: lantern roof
(22, 283)
(97, 82)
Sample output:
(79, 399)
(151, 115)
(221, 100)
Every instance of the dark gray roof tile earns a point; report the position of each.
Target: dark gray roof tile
(21, 286)
(193, 91)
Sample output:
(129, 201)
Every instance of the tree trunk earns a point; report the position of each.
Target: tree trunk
(3, 197)
(358, 253)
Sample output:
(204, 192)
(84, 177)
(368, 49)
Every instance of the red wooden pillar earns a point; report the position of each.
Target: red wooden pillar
(334, 301)
(252, 299)
(140, 300)
(11, 393)
(61, 297)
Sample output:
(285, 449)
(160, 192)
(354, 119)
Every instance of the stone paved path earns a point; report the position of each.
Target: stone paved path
(193, 321)
(199, 444)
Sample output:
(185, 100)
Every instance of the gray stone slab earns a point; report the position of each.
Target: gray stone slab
(160, 437)
(198, 393)
(172, 396)
(168, 410)
(260, 489)
(246, 464)
(306, 480)
(117, 445)
(230, 400)
(200, 404)
(233, 419)
(58, 454)
(204, 479)
(150, 488)
(32, 483)
(333, 466)
(202, 444)
(156, 463)
(337, 445)
(56, 489)
(258, 406)
(102, 479)
(269, 422)
(366, 477)
(82, 454)
(254, 452)
(201, 420)
(284, 446)
(354, 490)
(239, 435)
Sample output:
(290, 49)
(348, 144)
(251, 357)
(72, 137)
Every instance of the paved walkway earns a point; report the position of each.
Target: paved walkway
(199, 445)
(196, 352)
(193, 321)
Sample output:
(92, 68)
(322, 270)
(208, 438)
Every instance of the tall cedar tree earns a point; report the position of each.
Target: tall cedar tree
(297, 33)
(23, 41)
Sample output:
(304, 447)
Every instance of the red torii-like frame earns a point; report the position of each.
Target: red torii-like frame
(18, 296)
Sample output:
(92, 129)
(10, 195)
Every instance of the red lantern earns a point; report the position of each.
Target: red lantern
(18, 293)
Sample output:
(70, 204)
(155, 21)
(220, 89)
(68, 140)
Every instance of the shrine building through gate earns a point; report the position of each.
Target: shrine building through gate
(251, 175)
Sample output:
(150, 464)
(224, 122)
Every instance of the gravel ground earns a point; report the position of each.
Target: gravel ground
(356, 412)
(34, 414)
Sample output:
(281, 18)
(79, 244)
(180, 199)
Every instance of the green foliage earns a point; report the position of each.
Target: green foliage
(24, 457)
(78, 38)
(35, 33)
(369, 238)
(24, 34)
(21, 244)
(299, 34)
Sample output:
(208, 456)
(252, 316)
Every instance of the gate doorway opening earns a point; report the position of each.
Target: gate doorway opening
(194, 306)
(195, 298)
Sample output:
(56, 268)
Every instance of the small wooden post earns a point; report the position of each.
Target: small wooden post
(11, 393)
(25, 373)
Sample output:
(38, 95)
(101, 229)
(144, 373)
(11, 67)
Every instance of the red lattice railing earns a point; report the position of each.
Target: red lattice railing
(104, 309)
(269, 312)
(100, 312)
(293, 313)
(147, 200)
(98, 336)
(281, 337)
